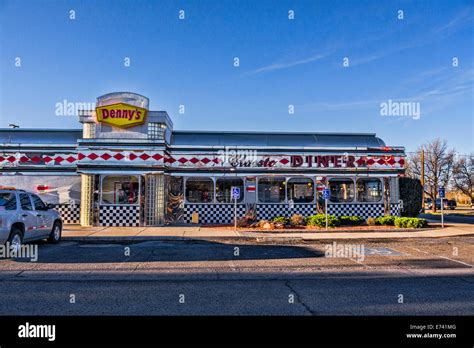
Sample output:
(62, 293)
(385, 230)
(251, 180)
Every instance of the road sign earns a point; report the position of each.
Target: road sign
(326, 193)
(442, 192)
(235, 192)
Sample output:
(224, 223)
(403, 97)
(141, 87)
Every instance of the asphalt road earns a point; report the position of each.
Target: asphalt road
(450, 216)
(428, 277)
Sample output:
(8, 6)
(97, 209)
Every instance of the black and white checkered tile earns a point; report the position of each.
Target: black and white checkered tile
(119, 216)
(363, 210)
(395, 209)
(269, 211)
(70, 213)
(213, 213)
(224, 213)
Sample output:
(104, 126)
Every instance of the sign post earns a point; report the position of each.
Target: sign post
(326, 195)
(442, 194)
(235, 196)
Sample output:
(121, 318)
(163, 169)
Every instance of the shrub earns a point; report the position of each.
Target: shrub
(319, 220)
(351, 220)
(247, 220)
(266, 224)
(297, 220)
(371, 221)
(411, 195)
(281, 220)
(244, 221)
(385, 220)
(406, 222)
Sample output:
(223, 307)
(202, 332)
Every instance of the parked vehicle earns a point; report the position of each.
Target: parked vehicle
(24, 217)
(447, 204)
(452, 204)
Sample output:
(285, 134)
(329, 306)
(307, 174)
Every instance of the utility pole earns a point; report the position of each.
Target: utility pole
(423, 177)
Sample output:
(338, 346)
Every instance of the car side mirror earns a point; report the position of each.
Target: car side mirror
(50, 206)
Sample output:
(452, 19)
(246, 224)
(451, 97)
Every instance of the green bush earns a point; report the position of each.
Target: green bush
(411, 195)
(281, 220)
(319, 220)
(407, 222)
(385, 220)
(351, 220)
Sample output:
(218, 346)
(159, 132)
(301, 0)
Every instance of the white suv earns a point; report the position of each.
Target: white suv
(24, 217)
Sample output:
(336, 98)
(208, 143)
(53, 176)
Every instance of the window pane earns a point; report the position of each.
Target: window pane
(301, 190)
(25, 202)
(223, 189)
(7, 201)
(39, 204)
(200, 190)
(369, 190)
(342, 190)
(271, 190)
(120, 189)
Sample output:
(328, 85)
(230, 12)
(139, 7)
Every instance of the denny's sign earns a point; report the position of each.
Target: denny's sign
(121, 115)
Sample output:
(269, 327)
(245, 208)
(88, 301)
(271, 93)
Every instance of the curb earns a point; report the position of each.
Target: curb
(282, 239)
(150, 238)
(392, 230)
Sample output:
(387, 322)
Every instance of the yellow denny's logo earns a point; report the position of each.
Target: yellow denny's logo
(121, 115)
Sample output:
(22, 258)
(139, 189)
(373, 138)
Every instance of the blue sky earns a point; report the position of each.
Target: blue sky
(282, 62)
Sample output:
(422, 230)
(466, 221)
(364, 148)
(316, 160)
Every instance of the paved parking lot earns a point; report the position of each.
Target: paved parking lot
(434, 276)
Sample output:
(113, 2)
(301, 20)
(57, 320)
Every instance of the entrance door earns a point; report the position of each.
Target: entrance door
(174, 199)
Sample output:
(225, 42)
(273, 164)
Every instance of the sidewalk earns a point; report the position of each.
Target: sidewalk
(79, 233)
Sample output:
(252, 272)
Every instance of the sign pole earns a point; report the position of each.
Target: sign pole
(442, 213)
(442, 195)
(326, 195)
(235, 194)
(235, 214)
(326, 209)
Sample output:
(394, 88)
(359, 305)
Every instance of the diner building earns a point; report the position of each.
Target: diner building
(128, 166)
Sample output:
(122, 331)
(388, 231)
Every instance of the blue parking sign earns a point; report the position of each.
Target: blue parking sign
(326, 193)
(441, 192)
(235, 192)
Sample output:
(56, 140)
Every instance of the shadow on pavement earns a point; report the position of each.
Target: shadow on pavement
(170, 251)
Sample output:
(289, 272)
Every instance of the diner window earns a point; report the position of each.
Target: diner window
(300, 190)
(156, 130)
(271, 189)
(342, 190)
(200, 190)
(224, 187)
(369, 190)
(120, 189)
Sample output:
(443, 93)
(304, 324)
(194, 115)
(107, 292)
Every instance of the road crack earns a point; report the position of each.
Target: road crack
(298, 298)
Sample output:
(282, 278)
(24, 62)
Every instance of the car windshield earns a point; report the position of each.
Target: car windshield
(7, 201)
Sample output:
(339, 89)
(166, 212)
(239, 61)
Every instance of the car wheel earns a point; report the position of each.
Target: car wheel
(15, 240)
(55, 235)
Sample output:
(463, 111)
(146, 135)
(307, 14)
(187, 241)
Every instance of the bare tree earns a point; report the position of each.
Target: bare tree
(439, 161)
(463, 176)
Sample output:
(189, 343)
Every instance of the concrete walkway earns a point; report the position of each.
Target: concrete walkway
(79, 233)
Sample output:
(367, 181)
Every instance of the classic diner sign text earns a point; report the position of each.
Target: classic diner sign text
(335, 161)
